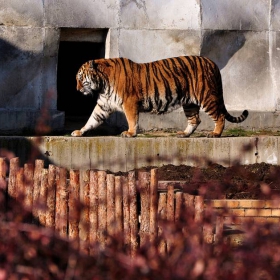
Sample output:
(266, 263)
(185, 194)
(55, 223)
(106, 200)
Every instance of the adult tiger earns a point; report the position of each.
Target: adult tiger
(193, 82)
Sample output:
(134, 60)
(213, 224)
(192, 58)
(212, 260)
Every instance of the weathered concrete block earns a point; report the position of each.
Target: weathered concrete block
(275, 15)
(235, 15)
(245, 67)
(48, 96)
(149, 45)
(274, 57)
(21, 73)
(21, 13)
(83, 13)
(122, 154)
(166, 15)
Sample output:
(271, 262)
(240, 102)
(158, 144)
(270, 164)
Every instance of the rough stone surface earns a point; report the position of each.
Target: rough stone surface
(150, 15)
(149, 45)
(82, 13)
(235, 15)
(242, 38)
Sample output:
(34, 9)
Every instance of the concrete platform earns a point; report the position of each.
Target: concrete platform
(122, 154)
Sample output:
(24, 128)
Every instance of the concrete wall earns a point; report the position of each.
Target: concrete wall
(122, 154)
(242, 38)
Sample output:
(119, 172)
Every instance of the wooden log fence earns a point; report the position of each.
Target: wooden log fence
(92, 207)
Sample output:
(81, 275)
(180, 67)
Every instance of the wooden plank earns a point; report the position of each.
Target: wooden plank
(43, 197)
(12, 186)
(74, 207)
(50, 214)
(133, 216)
(126, 223)
(102, 211)
(110, 204)
(39, 165)
(93, 212)
(153, 205)
(61, 212)
(84, 217)
(144, 188)
(162, 204)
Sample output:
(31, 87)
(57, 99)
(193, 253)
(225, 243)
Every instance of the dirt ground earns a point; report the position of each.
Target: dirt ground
(254, 181)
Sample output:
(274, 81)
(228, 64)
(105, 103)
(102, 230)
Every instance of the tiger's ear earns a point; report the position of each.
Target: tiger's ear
(90, 63)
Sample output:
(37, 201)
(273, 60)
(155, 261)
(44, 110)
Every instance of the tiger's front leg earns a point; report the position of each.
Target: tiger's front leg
(97, 117)
(131, 112)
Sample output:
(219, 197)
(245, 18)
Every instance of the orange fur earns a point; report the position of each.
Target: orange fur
(193, 82)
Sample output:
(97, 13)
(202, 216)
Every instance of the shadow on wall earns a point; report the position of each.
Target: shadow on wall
(27, 151)
(18, 69)
(220, 45)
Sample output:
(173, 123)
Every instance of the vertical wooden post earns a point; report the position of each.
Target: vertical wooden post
(170, 203)
(28, 186)
(50, 215)
(93, 212)
(12, 187)
(188, 211)
(199, 209)
(43, 196)
(219, 228)
(74, 205)
(84, 219)
(3, 187)
(61, 202)
(102, 211)
(119, 205)
(110, 204)
(133, 218)
(3, 172)
(178, 205)
(144, 188)
(153, 205)
(39, 165)
(126, 224)
(162, 219)
(170, 214)
(19, 194)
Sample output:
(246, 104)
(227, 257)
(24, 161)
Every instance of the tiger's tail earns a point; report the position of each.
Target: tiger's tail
(239, 119)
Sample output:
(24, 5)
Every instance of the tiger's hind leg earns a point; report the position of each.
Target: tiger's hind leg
(219, 126)
(192, 113)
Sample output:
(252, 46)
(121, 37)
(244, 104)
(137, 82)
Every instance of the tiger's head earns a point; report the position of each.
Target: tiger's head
(88, 79)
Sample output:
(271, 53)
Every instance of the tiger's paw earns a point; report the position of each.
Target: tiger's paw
(182, 134)
(213, 135)
(77, 133)
(128, 134)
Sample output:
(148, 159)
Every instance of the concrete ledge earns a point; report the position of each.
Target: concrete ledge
(121, 154)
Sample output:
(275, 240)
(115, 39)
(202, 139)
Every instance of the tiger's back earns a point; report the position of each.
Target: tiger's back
(193, 82)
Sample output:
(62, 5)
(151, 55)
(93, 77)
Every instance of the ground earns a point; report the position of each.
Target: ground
(254, 181)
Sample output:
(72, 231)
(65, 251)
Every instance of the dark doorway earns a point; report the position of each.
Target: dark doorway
(70, 57)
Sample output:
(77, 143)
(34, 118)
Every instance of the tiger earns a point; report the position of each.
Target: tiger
(191, 82)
